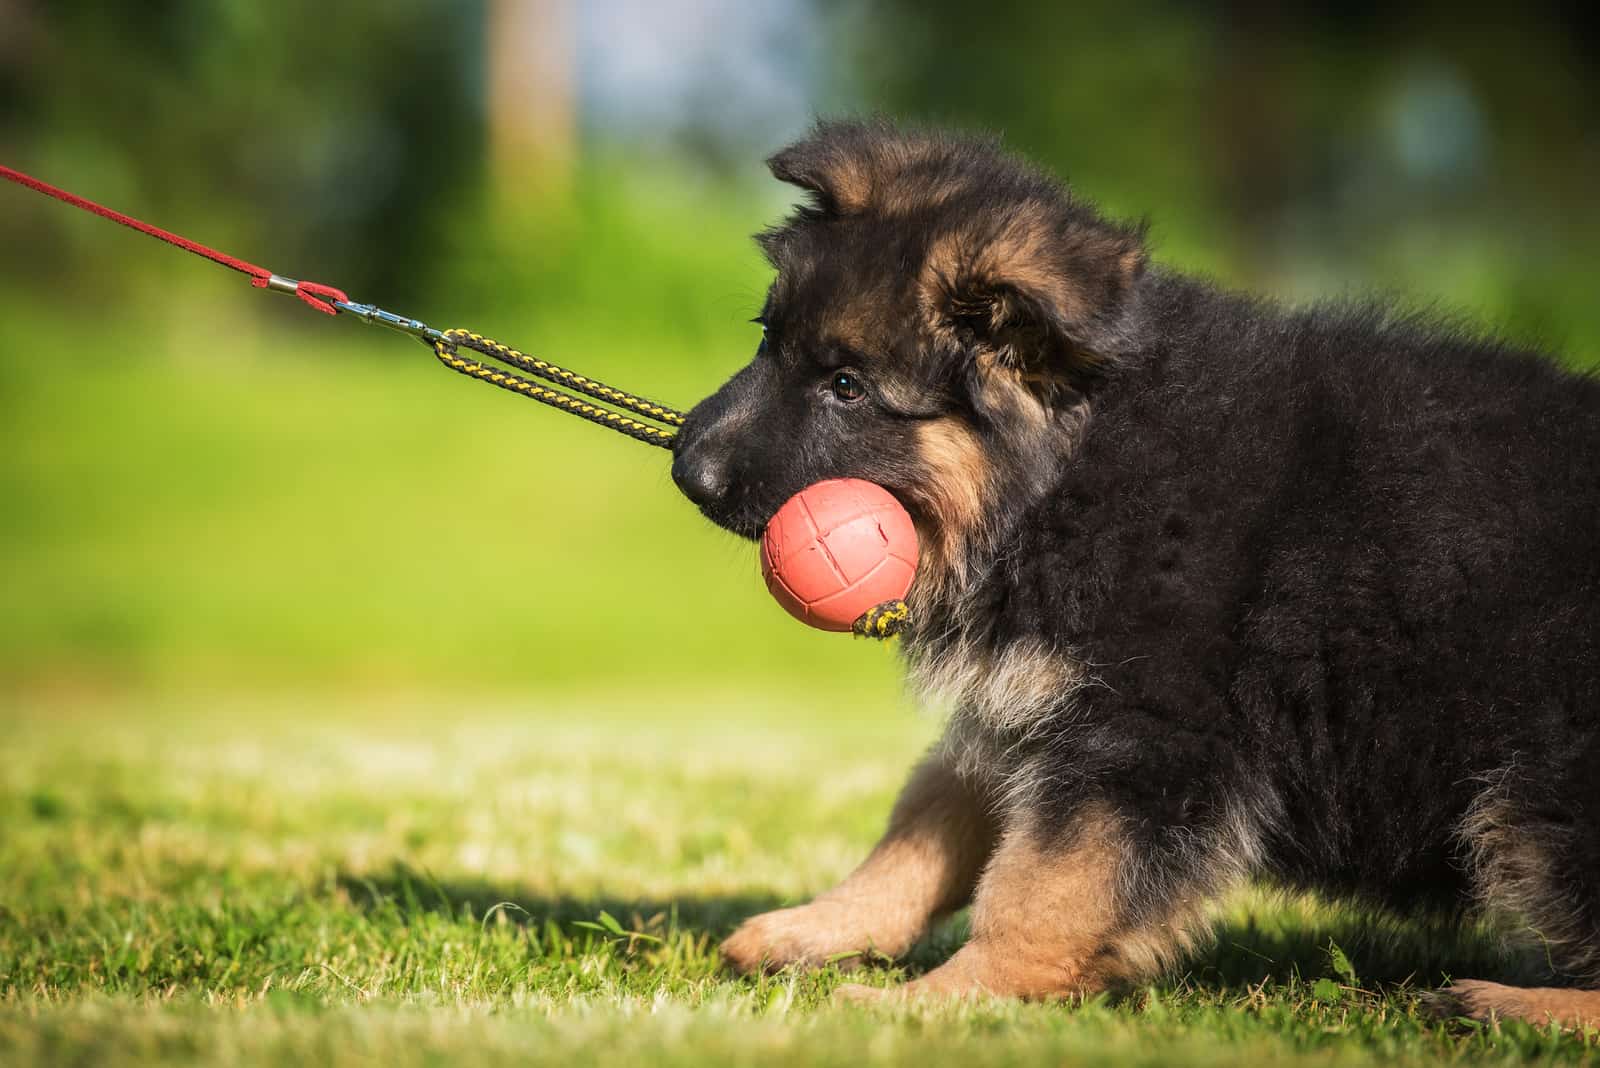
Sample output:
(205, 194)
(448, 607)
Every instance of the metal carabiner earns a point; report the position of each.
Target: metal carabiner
(371, 313)
(368, 313)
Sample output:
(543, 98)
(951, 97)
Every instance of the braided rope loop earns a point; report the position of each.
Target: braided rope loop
(622, 424)
(563, 377)
(883, 621)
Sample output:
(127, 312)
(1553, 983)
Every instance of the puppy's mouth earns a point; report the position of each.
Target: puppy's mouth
(740, 518)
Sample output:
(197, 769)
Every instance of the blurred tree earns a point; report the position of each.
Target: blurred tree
(1290, 145)
(316, 137)
(532, 103)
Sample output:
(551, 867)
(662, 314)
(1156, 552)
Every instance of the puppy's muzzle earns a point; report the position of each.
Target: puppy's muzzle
(702, 478)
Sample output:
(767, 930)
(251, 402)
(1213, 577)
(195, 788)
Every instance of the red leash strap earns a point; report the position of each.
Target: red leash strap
(333, 301)
(314, 294)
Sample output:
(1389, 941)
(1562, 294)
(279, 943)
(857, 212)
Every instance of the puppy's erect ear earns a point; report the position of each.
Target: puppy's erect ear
(852, 166)
(836, 186)
(1041, 286)
(1015, 268)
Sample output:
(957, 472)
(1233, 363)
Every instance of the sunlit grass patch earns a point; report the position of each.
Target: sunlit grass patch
(263, 883)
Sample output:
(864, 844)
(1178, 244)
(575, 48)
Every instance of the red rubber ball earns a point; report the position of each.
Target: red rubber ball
(836, 549)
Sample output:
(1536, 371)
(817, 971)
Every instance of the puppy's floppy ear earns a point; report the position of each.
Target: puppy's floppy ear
(1043, 288)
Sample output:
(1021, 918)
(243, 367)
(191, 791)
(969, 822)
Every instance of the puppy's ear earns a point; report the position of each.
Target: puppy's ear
(1044, 290)
(852, 166)
(833, 164)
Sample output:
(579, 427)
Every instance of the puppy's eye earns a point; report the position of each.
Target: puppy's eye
(846, 386)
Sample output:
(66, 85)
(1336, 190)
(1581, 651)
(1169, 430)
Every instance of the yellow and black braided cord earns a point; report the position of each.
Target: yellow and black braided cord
(446, 351)
(563, 377)
(883, 620)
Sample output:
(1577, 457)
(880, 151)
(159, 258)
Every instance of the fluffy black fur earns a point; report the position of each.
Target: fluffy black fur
(1331, 577)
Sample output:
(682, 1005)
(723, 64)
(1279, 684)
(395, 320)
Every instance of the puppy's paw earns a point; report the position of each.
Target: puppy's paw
(810, 936)
(913, 993)
(859, 994)
(1479, 1000)
(1487, 1002)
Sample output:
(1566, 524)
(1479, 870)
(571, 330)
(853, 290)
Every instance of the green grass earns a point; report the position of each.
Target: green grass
(329, 508)
(412, 883)
(243, 553)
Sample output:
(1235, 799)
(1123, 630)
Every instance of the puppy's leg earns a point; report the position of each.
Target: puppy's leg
(1538, 1005)
(1536, 860)
(940, 833)
(1053, 917)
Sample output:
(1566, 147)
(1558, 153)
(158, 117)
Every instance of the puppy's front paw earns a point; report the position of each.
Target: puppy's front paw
(860, 994)
(1471, 998)
(810, 936)
(1540, 1006)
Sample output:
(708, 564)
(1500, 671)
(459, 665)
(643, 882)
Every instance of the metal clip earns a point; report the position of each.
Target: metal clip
(371, 313)
(368, 313)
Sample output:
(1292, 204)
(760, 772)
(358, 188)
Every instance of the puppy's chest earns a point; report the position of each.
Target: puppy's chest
(1004, 690)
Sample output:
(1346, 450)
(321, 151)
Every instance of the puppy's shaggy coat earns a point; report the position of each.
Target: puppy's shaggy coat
(1217, 589)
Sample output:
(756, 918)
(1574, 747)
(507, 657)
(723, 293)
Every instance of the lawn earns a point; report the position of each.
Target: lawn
(356, 714)
(401, 882)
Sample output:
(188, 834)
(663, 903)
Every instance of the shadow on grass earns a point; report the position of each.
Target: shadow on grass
(1270, 942)
(413, 892)
(1383, 950)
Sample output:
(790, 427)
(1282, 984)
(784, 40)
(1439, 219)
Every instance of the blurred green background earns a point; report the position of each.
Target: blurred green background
(206, 489)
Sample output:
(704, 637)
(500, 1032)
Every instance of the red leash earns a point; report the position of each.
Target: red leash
(315, 294)
(445, 344)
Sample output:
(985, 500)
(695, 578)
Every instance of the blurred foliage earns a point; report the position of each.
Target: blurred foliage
(1304, 149)
(202, 486)
(321, 134)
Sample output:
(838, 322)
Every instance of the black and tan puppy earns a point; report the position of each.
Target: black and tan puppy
(1216, 589)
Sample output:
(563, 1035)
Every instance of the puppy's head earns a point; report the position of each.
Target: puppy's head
(940, 315)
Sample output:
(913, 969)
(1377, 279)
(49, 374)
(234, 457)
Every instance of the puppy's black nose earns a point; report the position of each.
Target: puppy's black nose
(703, 481)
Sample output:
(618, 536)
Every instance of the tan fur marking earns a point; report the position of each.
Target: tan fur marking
(942, 270)
(1537, 1005)
(903, 190)
(899, 394)
(1018, 390)
(954, 495)
(1045, 923)
(854, 324)
(875, 177)
(1131, 262)
(1150, 950)
(926, 864)
(908, 196)
(849, 180)
(945, 257)
(1022, 255)
(1043, 915)
(859, 326)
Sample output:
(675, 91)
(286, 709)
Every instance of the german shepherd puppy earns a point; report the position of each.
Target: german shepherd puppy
(1215, 589)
